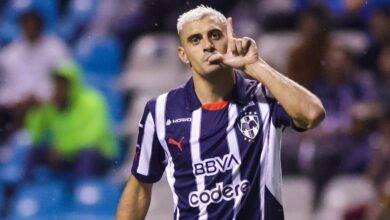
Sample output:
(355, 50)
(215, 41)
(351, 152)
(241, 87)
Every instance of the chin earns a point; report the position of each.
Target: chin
(213, 69)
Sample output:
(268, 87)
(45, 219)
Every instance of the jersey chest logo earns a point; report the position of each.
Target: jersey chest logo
(178, 144)
(249, 125)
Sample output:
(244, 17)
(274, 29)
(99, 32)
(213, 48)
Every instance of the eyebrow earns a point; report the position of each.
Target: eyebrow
(214, 29)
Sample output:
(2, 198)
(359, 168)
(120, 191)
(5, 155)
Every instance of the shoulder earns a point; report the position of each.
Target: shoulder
(174, 96)
(259, 91)
(91, 97)
(12, 49)
(251, 86)
(53, 40)
(54, 45)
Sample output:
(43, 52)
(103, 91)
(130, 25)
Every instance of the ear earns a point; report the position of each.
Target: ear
(182, 55)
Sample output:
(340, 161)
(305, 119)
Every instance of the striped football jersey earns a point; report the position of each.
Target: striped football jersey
(221, 164)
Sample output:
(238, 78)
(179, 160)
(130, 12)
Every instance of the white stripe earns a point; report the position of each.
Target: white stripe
(264, 111)
(195, 156)
(274, 168)
(234, 149)
(160, 126)
(271, 157)
(260, 93)
(146, 146)
(171, 181)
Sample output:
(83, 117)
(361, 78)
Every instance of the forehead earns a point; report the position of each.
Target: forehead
(202, 25)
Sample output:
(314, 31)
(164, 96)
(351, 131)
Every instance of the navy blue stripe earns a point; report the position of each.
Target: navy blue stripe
(250, 168)
(214, 144)
(185, 182)
(157, 165)
(273, 210)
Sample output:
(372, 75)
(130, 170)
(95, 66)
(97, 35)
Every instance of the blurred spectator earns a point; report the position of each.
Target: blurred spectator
(71, 133)
(379, 169)
(379, 27)
(358, 143)
(342, 141)
(379, 172)
(340, 87)
(26, 63)
(347, 152)
(380, 210)
(384, 77)
(25, 67)
(304, 62)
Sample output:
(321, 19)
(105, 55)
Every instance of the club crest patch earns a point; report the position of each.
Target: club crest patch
(249, 125)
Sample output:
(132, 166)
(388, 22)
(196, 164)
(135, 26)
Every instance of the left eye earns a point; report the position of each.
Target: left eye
(215, 36)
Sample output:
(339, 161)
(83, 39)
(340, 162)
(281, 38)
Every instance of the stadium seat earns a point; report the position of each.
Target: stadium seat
(78, 15)
(297, 187)
(39, 199)
(13, 158)
(99, 54)
(356, 41)
(8, 32)
(95, 196)
(153, 65)
(85, 216)
(134, 114)
(2, 198)
(342, 193)
(152, 68)
(275, 48)
(108, 86)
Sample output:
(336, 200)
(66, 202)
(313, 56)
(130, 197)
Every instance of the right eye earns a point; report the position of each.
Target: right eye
(195, 40)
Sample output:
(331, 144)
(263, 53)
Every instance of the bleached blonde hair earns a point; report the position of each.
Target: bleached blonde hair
(198, 13)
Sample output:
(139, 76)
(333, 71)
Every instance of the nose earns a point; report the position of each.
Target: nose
(208, 45)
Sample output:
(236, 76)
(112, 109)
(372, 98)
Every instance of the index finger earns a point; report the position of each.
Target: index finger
(229, 33)
(229, 28)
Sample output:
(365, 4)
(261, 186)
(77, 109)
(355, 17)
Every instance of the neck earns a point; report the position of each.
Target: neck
(215, 88)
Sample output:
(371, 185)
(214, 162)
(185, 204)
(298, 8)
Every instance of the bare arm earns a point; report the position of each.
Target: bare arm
(135, 200)
(303, 107)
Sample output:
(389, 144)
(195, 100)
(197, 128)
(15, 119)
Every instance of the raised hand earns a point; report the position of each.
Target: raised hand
(240, 51)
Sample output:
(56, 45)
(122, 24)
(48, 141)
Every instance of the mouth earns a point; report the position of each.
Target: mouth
(207, 55)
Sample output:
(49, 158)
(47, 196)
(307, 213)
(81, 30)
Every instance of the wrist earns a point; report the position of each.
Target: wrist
(253, 68)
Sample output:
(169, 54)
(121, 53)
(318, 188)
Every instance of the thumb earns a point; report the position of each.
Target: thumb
(215, 58)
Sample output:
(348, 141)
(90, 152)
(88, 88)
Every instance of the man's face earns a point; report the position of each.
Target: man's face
(32, 28)
(384, 64)
(310, 26)
(380, 26)
(337, 65)
(61, 92)
(199, 40)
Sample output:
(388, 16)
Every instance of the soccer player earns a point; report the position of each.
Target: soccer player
(218, 137)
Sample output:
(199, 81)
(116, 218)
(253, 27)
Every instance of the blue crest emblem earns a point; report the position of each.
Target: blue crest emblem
(249, 125)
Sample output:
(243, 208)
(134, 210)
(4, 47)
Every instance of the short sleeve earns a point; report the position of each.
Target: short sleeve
(149, 159)
(280, 118)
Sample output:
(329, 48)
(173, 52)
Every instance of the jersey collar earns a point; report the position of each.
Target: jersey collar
(241, 93)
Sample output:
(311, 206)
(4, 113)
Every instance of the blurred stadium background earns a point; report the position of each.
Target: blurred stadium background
(126, 49)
